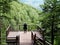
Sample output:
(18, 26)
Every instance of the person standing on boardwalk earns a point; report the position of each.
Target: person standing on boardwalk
(25, 27)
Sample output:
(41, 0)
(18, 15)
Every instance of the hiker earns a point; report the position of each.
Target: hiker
(25, 27)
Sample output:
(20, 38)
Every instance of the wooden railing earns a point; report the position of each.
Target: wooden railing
(38, 41)
(13, 41)
(17, 40)
(9, 28)
(31, 35)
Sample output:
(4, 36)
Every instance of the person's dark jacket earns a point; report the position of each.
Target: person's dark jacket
(25, 27)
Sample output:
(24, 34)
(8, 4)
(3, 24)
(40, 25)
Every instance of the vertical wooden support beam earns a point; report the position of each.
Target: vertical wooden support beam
(34, 39)
(17, 40)
(32, 35)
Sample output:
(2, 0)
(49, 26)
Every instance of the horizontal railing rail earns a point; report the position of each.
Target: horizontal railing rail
(43, 41)
(20, 27)
(14, 40)
(38, 41)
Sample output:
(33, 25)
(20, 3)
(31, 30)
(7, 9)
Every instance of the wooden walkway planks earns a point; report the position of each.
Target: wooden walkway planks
(37, 34)
(25, 37)
(13, 34)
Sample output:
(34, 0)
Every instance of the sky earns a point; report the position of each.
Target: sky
(33, 3)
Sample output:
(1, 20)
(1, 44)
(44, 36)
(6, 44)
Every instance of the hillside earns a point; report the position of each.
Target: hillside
(21, 13)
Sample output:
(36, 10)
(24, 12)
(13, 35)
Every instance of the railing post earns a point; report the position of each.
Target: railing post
(34, 39)
(32, 35)
(17, 40)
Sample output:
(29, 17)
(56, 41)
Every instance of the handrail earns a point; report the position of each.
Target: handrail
(31, 35)
(34, 41)
(20, 26)
(38, 41)
(8, 30)
(44, 42)
(15, 40)
(8, 27)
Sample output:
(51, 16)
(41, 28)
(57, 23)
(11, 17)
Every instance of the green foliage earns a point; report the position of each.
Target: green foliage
(15, 13)
(51, 8)
(21, 13)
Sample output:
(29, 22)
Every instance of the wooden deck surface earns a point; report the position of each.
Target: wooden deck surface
(25, 37)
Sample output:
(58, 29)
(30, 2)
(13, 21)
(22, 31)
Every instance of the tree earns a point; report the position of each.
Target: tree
(14, 13)
(4, 8)
(51, 8)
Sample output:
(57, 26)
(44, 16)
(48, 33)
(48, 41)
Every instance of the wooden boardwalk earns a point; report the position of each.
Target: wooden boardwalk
(25, 37)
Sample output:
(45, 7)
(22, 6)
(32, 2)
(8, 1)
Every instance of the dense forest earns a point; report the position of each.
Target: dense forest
(20, 13)
(51, 9)
(15, 13)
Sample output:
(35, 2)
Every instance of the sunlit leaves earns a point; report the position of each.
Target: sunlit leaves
(21, 13)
